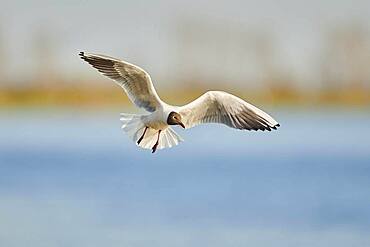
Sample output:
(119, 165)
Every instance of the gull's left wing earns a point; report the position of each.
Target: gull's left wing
(221, 107)
(133, 79)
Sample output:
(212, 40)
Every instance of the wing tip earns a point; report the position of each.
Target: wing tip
(82, 55)
(86, 55)
(276, 126)
(268, 128)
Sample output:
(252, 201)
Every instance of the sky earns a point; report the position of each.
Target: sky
(144, 32)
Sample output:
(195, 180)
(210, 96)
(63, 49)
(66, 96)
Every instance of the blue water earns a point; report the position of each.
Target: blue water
(71, 178)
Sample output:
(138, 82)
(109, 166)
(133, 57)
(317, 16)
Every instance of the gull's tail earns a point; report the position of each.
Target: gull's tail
(133, 125)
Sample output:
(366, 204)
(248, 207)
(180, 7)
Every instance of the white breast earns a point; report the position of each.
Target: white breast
(158, 119)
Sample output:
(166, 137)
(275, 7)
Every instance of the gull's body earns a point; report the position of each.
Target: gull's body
(153, 130)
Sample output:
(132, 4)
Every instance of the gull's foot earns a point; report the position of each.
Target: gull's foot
(142, 136)
(154, 148)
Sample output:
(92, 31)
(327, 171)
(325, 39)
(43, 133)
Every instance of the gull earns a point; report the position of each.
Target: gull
(153, 131)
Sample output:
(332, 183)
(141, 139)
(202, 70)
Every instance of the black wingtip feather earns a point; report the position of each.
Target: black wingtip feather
(274, 127)
(82, 55)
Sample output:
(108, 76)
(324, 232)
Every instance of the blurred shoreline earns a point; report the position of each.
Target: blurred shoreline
(101, 94)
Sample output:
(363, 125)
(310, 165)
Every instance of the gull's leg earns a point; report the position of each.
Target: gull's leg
(156, 144)
(142, 136)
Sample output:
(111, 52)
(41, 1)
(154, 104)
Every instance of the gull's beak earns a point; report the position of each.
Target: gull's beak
(182, 125)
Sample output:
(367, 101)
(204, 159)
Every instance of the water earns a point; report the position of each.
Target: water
(69, 178)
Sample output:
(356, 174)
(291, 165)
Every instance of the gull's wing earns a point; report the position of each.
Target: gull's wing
(221, 107)
(134, 80)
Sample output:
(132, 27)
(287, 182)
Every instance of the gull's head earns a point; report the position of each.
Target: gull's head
(174, 118)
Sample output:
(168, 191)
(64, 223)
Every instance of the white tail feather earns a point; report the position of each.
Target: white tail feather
(133, 125)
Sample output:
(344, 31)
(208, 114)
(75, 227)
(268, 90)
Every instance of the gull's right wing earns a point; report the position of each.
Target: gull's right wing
(224, 108)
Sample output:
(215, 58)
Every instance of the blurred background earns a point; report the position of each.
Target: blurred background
(70, 177)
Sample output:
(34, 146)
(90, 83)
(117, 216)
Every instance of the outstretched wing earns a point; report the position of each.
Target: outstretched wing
(134, 80)
(221, 107)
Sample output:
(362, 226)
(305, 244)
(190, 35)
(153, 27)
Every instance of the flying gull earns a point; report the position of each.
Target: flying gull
(153, 131)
